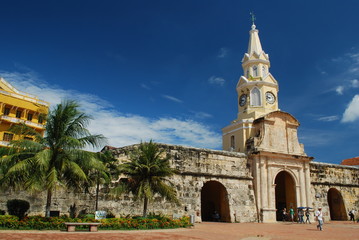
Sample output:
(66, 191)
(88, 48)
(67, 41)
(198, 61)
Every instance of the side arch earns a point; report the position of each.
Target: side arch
(214, 199)
(336, 205)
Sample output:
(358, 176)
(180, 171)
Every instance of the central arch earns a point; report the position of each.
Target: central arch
(214, 197)
(336, 205)
(285, 194)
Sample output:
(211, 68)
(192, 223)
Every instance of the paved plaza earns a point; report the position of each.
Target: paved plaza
(207, 230)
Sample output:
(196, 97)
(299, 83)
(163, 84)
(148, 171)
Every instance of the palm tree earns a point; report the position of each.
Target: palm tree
(105, 175)
(147, 174)
(56, 160)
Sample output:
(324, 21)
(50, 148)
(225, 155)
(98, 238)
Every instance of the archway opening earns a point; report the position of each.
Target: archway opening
(214, 199)
(336, 205)
(285, 196)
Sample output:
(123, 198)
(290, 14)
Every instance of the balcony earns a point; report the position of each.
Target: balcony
(4, 143)
(17, 120)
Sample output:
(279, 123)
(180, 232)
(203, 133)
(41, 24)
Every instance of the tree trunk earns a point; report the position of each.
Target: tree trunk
(145, 202)
(97, 192)
(48, 203)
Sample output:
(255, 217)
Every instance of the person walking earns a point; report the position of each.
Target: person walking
(300, 215)
(319, 216)
(351, 215)
(307, 215)
(291, 212)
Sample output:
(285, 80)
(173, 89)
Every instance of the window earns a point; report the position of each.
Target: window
(256, 97)
(7, 111)
(255, 71)
(264, 70)
(8, 137)
(232, 143)
(41, 118)
(29, 116)
(247, 73)
(28, 138)
(18, 114)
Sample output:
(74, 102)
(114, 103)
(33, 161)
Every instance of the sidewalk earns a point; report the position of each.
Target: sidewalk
(206, 231)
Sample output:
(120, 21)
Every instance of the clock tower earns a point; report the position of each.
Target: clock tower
(257, 93)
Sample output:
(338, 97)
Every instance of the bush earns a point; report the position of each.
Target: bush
(17, 207)
(57, 223)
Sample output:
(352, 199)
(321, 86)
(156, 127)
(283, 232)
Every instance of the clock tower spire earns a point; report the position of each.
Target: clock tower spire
(257, 93)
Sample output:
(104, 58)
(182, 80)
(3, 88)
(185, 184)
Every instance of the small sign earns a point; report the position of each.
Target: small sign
(100, 214)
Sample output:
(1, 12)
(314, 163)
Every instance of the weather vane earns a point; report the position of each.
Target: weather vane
(253, 17)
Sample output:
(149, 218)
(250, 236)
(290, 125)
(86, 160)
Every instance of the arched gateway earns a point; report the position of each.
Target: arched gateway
(214, 197)
(285, 196)
(336, 205)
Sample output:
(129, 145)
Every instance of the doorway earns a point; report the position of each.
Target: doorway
(285, 195)
(214, 199)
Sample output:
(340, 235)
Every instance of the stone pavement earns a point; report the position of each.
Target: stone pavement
(206, 231)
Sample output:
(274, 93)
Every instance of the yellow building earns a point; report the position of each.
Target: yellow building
(19, 107)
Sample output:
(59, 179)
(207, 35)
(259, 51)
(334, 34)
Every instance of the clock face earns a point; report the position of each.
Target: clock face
(242, 100)
(270, 98)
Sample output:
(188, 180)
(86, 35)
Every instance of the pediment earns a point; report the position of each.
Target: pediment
(278, 114)
(269, 78)
(242, 80)
(277, 132)
(255, 56)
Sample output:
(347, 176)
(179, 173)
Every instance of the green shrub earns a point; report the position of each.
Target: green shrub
(17, 207)
(57, 223)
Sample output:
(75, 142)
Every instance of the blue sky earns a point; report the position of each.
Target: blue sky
(167, 70)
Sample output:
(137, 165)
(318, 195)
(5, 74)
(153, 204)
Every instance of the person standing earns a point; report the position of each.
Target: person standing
(284, 214)
(319, 216)
(351, 215)
(307, 215)
(291, 212)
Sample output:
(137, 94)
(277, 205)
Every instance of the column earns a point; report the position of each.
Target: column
(307, 184)
(302, 188)
(269, 187)
(256, 176)
(264, 194)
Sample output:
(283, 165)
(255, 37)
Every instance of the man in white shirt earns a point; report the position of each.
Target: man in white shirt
(319, 215)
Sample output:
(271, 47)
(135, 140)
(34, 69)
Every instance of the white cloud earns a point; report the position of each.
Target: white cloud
(202, 115)
(172, 98)
(339, 90)
(354, 83)
(216, 80)
(121, 129)
(354, 57)
(222, 52)
(351, 113)
(328, 118)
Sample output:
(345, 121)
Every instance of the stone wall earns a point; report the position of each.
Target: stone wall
(342, 179)
(196, 168)
(199, 169)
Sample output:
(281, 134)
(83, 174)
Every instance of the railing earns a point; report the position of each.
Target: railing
(17, 120)
(4, 143)
(24, 97)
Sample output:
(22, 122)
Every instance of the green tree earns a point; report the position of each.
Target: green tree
(55, 160)
(103, 176)
(147, 175)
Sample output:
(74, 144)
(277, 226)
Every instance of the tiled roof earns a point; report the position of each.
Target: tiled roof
(351, 161)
